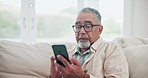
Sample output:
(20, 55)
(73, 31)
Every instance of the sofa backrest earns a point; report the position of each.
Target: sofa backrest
(136, 52)
(21, 60)
(137, 57)
(130, 41)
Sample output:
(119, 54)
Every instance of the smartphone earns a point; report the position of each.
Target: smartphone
(60, 50)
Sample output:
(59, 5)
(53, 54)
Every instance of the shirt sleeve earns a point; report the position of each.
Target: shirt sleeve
(115, 65)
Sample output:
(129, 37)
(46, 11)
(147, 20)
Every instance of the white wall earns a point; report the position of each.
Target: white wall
(136, 18)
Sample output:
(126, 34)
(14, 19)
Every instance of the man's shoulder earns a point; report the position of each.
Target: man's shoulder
(112, 44)
(100, 43)
(112, 48)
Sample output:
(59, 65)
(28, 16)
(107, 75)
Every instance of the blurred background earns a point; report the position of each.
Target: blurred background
(51, 20)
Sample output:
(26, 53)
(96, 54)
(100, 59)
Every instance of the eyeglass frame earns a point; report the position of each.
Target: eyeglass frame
(84, 27)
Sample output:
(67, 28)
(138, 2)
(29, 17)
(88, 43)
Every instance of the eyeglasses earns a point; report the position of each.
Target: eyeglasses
(87, 27)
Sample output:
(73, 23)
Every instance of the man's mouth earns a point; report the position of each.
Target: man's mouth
(83, 39)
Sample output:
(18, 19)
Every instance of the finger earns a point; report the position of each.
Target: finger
(54, 72)
(52, 67)
(74, 61)
(59, 67)
(64, 61)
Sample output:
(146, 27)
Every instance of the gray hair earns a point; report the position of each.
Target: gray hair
(91, 10)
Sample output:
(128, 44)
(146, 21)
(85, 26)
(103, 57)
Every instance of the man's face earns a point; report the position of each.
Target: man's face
(85, 39)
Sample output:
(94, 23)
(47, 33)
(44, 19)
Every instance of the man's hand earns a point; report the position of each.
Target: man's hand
(54, 72)
(72, 70)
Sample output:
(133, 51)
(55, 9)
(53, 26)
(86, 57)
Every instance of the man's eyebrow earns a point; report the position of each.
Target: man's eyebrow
(87, 22)
(77, 22)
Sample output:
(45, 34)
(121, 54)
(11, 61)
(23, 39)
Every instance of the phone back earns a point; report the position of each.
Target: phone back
(60, 50)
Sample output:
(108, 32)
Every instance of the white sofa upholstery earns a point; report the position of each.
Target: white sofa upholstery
(22, 60)
(137, 57)
(136, 52)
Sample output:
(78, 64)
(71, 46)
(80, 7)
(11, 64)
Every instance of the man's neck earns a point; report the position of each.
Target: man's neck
(83, 50)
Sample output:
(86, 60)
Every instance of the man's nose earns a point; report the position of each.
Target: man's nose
(82, 30)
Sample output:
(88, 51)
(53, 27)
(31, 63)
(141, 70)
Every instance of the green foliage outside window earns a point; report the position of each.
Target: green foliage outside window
(8, 25)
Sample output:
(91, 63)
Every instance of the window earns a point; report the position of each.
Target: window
(52, 20)
(112, 18)
(55, 20)
(9, 19)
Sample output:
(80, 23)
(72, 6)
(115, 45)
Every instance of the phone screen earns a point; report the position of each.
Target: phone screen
(60, 50)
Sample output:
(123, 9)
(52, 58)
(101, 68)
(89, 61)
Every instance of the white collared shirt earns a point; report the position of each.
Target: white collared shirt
(82, 57)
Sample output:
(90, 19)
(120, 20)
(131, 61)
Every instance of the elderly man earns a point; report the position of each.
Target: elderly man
(92, 57)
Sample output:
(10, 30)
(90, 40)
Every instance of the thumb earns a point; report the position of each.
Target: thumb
(74, 61)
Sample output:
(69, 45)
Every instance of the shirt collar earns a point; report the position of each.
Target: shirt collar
(77, 50)
(93, 47)
(96, 44)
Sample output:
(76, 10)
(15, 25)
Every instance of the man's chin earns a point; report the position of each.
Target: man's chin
(84, 43)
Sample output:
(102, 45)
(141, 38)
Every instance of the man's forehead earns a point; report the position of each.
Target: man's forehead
(83, 18)
(79, 22)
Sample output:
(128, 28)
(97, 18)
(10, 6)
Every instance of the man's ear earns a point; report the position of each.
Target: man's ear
(100, 28)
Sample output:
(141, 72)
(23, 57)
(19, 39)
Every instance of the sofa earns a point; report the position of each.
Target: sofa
(26, 60)
(136, 52)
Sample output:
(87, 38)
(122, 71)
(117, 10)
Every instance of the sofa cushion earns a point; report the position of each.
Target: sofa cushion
(130, 41)
(21, 60)
(137, 57)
